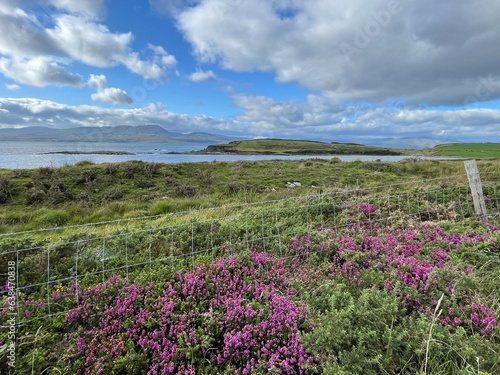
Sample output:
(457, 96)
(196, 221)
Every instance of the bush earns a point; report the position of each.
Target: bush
(227, 317)
(5, 189)
(130, 169)
(112, 168)
(205, 177)
(87, 176)
(185, 190)
(113, 194)
(34, 195)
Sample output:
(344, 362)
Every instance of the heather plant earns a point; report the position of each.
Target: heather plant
(328, 288)
(374, 316)
(229, 315)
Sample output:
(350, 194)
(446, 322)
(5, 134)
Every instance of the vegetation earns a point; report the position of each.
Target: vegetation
(356, 283)
(466, 150)
(87, 192)
(290, 147)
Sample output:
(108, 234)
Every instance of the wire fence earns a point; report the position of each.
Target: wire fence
(341, 194)
(44, 269)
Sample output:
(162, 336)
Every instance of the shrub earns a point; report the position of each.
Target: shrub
(112, 168)
(87, 176)
(233, 187)
(228, 316)
(150, 169)
(113, 194)
(130, 169)
(84, 163)
(34, 195)
(5, 189)
(205, 177)
(185, 190)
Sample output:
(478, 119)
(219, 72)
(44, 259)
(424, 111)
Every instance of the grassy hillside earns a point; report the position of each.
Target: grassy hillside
(293, 147)
(47, 197)
(466, 150)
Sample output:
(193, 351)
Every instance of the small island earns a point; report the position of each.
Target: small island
(297, 147)
(89, 153)
(294, 147)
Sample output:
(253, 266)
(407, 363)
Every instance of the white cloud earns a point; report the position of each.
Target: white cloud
(95, 45)
(353, 50)
(38, 71)
(113, 95)
(108, 94)
(200, 76)
(266, 117)
(88, 7)
(13, 87)
(99, 81)
(162, 56)
(76, 36)
(28, 111)
(324, 119)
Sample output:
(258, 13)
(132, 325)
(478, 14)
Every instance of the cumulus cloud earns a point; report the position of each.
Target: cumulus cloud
(200, 76)
(162, 56)
(324, 119)
(38, 71)
(88, 7)
(12, 87)
(30, 111)
(262, 116)
(353, 50)
(75, 36)
(108, 94)
(113, 95)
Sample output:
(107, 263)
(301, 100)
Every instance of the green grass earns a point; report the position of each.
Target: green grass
(295, 147)
(291, 147)
(83, 193)
(467, 150)
(90, 193)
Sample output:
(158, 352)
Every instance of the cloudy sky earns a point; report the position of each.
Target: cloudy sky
(335, 70)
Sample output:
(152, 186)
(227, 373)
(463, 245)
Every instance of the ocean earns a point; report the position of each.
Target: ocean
(26, 155)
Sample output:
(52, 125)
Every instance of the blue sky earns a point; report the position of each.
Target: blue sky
(357, 70)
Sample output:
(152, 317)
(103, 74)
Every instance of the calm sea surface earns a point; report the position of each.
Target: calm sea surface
(25, 155)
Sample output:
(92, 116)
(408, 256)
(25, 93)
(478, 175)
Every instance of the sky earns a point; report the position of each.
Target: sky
(331, 70)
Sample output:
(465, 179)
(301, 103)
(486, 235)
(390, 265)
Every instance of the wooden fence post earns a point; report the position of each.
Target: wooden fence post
(476, 189)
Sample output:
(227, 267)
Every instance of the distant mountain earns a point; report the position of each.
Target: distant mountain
(132, 134)
(402, 143)
(410, 143)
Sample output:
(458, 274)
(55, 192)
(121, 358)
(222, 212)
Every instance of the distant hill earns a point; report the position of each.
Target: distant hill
(132, 134)
(466, 150)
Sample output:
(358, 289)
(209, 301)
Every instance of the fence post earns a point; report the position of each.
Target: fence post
(476, 189)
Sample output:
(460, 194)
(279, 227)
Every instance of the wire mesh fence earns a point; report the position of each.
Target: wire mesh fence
(48, 269)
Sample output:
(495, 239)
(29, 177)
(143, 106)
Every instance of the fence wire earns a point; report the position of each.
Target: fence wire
(325, 195)
(49, 269)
